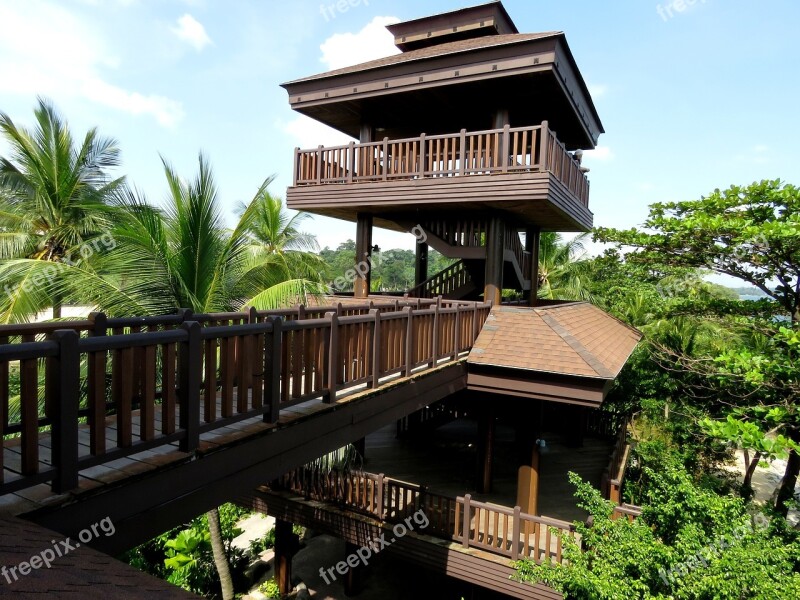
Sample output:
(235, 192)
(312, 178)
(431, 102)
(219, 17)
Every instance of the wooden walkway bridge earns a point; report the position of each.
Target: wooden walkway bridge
(153, 420)
(472, 541)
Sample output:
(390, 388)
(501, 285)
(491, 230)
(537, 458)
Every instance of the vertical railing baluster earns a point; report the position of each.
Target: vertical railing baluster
(97, 388)
(67, 376)
(544, 141)
(272, 371)
(190, 364)
(409, 340)
(333, 357)
(466, 523)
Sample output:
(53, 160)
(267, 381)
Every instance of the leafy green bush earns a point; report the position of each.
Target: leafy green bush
(270, 588)
(265, 543)
(690, 543)
(183, 556)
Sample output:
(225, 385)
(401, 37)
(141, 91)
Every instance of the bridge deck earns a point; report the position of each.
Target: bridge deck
(87, 404)
(159, 457)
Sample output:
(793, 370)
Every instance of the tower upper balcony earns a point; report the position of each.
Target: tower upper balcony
(470, 115)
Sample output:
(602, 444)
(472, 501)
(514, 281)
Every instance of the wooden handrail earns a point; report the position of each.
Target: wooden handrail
(489, 527)
(443, 283)
(466, 153)
(202, 372)
(614, 474)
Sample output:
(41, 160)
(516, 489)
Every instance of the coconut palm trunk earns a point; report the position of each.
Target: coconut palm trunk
(220, 557)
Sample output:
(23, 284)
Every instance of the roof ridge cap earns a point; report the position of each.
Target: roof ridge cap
(590, 359)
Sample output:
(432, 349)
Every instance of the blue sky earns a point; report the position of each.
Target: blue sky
(695, 96)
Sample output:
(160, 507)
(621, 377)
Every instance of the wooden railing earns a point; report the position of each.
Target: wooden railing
(614, 477)
(465, 233)
(483, 526)
(514, 244)
(443, 283)
(189, 373)
(614, 474)
(507, 150)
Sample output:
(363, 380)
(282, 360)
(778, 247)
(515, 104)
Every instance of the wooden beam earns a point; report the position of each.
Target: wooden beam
(528, 484)
(284, 551)
(486, 435)
(495, 239)
(533, 237)
(421, 263)
(363, 255)
(352, 579)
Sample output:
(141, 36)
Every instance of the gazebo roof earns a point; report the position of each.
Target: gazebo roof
(575, 339)
(567, 352)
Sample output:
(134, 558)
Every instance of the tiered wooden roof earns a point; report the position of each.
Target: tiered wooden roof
(455, 70)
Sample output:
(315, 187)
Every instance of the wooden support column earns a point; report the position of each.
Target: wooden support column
(501, 118)
(528, 474)
(285, 547)
(363, 255)
(366, 134)
(486, 431)
(361, 447)
(421, 263)
(532, 240)
(495, 242)
(352, 579)
(577, 425)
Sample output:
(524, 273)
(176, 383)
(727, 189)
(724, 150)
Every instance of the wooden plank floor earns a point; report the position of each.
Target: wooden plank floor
(41, 495)
(452, 473)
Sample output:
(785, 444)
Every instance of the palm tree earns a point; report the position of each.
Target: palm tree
(277, 233)
(53, 207)
(563, 270)
(220, 558)
(183, 256)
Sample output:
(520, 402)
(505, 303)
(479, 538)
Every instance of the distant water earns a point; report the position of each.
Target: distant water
(750, 297)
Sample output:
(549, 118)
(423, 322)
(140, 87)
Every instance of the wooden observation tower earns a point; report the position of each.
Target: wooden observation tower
(470, 137)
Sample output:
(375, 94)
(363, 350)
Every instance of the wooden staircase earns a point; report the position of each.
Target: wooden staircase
(456, 282)
(465, 239)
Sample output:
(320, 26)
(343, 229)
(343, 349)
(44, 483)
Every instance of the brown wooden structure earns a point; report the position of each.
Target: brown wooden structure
(112, 399)
(469, 138)
(469, 135)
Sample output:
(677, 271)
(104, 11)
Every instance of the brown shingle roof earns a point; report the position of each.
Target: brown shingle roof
(81, 573)
(434, 51)
(576, 339)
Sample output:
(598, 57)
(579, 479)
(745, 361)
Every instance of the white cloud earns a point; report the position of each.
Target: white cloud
(46, 50)
(598, 90)
(373, 41)
(760, 148)
(309, 133)
(599, 153)
(191, 31)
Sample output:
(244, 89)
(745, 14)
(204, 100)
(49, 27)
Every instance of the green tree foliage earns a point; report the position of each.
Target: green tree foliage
(690, 543)
(392, 270)
(751, 233)
(563, 268)
(183, 556)
(54, 196)
(183, 256)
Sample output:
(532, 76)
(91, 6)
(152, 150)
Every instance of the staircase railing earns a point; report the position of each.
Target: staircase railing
(468, 233)
(514, 244)
(443, 283)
